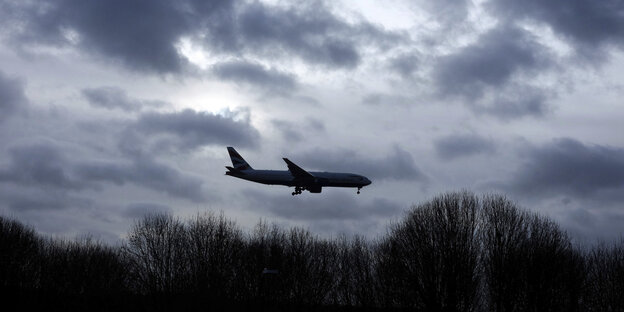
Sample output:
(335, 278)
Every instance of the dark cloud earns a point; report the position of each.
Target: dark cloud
(144, 172)
(294, 132)
(571, 168)
(139, 210)
(18, 198)
(45, 167)
(405, 65)
(39, 166)
(490, 62)
(315, 124)
(337, 206)
(39, 177)
(256, 75)
(189, 129)
(142, 34)
(585, 225)
(310, 31)
(387, 99)
(587, 24)
(517, 101)
(456, 146)
(113, 97)
(12, 97)
(288, 130)
(399, 165)
(485, 75)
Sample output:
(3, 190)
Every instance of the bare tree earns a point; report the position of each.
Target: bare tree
(260, 278)
(20, 250)
(156, 255)
(504, 238)
(84, 267)
(309, 265)
(355, 280)
(529, 264)
(215, 250)
(430, 260)
(605, 278)
(454, 253)
(553, 268)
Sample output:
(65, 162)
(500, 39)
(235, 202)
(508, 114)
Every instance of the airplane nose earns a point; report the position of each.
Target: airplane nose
(368, 181)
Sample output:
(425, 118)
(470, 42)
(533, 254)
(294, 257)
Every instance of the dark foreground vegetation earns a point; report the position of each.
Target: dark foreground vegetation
(457, 252)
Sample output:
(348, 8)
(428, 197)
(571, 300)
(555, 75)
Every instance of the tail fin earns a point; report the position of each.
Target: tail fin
(237, 160)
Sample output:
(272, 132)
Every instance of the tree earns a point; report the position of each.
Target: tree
(214, 252)
(528, 263)
(504, 237)
(155, 253)
(430, 260)
(20, 254)
(605, 278)
(355, 280)
(309, 268)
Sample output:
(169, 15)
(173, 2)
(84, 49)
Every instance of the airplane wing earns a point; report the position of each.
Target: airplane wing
(297, 171)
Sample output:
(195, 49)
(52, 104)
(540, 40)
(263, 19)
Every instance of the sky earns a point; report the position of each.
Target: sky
(110, 110)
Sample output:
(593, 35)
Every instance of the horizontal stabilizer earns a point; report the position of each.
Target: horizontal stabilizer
(297, 171)
(233, 170)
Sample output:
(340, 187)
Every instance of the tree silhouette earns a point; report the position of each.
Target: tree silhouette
(20, 249)
(504, 237)
(528, 262)
(456, 252)
(430, 260)
(155, 253)
(355, 277)
(214, 251)
(605, 278)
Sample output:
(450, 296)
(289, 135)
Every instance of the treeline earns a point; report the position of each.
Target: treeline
(457, 252)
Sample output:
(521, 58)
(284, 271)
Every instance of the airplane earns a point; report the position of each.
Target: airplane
(295, 176)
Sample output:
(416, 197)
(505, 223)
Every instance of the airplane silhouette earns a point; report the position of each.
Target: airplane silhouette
(295, 176)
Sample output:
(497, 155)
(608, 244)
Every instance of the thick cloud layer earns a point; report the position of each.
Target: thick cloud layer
(44, 166)
(456, 146)
(190, 129)
(140, 210)
(12, 98)
(586, 24)
(492, 63)
(146, 173)
(19, 199)
(143, 35)
(256, 75)
(294, 132)
(113, 97)
(139, 34)
(569, 167)
(40, 166)
(311, 32)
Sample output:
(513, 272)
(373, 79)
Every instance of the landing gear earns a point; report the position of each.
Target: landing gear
(298, 190)
(359, 188)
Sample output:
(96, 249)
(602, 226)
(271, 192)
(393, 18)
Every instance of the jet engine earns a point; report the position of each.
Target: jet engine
(314, 189)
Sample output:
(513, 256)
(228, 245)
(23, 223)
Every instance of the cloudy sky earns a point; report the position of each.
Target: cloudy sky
(113, 109)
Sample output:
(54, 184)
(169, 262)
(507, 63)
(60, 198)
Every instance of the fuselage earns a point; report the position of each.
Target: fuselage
(319, 179)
